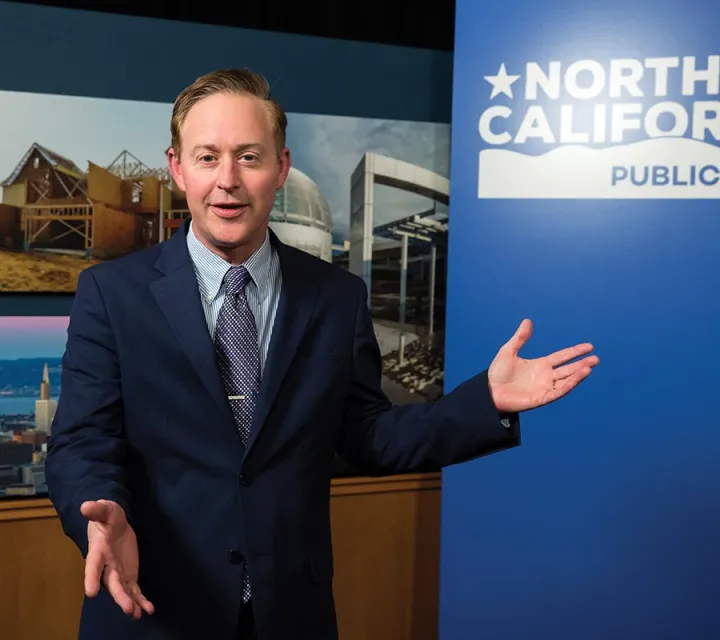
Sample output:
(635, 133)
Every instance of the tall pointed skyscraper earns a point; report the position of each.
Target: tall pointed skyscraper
(45, 384)
(45, 407)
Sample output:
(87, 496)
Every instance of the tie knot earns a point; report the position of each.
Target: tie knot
(235, 280)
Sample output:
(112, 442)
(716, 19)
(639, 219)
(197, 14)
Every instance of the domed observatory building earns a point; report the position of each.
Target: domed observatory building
(301, 216)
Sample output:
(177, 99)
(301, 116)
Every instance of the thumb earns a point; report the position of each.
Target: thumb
(97, 510)
(521, 336)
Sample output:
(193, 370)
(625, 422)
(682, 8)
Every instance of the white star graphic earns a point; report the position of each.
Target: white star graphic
(501, 83)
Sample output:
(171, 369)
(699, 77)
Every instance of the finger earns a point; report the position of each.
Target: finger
(94, 565)
(119, 594)
(141, 600)
(521, 336)
(574, 367)
(566, 385)
(137, 610)
(565, 355)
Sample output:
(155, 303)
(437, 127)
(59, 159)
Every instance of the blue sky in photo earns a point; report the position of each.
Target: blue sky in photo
(32, 336)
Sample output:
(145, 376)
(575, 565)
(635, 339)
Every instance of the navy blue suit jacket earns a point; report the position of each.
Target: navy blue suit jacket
(143, 420)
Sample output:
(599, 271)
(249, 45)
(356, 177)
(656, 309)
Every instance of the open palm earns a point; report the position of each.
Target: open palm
(113, 557)
(518, 384)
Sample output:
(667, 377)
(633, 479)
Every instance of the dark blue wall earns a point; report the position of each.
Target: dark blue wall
(82, 53)
(605, 523)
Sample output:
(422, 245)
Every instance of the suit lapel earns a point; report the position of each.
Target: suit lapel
(178, 296)
(295, 308)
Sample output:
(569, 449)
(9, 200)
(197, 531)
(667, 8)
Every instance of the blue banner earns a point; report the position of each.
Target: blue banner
(585, 187)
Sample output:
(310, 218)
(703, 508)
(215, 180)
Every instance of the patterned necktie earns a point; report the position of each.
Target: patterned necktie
(238, 359)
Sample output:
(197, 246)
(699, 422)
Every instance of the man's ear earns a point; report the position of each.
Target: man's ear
(173, 158)
(285, 163)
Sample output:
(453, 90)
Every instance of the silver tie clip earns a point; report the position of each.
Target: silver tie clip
(236, 397)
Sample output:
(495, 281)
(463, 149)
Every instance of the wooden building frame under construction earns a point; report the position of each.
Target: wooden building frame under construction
(50, 204)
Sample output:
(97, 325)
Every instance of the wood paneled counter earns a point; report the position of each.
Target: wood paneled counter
(386, 538)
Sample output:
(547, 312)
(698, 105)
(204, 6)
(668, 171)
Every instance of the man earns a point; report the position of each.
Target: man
(208, 383)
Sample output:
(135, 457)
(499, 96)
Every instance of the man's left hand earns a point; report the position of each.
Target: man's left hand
(518, 385)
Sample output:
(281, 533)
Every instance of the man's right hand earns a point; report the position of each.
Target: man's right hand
(113, 557)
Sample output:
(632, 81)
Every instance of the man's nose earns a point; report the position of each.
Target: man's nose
(228, 176)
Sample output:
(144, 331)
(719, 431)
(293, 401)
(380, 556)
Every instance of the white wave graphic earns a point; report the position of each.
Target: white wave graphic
(662, 168)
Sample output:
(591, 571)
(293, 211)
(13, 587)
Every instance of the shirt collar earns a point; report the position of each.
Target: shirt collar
(210, 268)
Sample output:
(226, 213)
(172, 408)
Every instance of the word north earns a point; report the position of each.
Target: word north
(590, 79)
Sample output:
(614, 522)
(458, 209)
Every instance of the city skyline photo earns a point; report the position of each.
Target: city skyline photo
(31, 349)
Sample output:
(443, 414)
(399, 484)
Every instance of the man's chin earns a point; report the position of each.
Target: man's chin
(229, 241)
(229, 236)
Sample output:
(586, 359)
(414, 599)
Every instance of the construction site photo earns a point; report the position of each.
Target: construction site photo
(56, 219)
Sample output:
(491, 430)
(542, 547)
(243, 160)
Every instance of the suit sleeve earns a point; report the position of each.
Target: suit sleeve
(87, 446)
(380, 438)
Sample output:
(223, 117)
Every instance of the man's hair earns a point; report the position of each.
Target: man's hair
(232, 81)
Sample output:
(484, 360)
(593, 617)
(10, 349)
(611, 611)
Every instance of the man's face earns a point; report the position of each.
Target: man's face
(229, 169)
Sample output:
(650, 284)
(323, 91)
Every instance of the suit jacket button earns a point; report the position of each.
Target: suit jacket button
(244, 480)
(235, 557)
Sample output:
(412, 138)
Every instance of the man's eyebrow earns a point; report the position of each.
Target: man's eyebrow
(238, 149)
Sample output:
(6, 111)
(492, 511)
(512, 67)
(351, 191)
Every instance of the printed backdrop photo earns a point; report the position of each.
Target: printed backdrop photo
(85, 180)
(31, 350)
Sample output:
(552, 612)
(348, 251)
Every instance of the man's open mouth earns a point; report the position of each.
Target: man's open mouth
(229, 206)
(228, 210)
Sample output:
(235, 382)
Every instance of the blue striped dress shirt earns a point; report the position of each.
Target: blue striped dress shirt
(263, 290)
